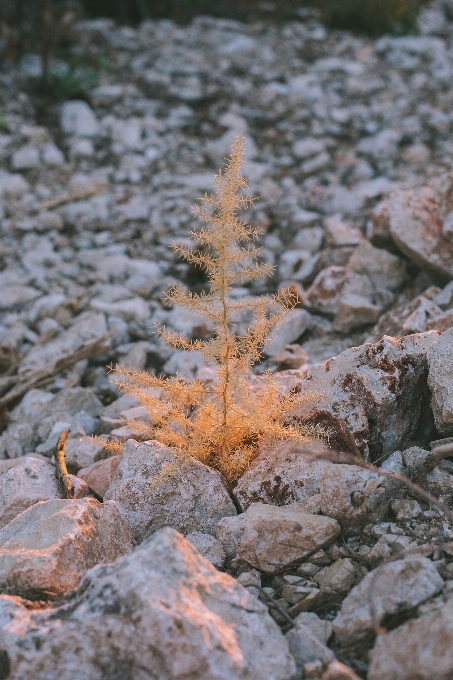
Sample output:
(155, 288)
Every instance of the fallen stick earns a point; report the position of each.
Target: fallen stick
(67, 487)
(73, 196)
(16, 386)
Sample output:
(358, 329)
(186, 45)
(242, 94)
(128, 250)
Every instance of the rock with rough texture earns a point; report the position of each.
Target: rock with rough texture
(157, 487)
(440, 381)
(229, 531)
(306, 647)
(416, 228)
(29, 482)
(51, 545)
(420, 649)
(25, 484)
(390, 589)
(416, 316)
(339, 671)
(277, 536)
(162, 612)
(376, 390)
(100, 475)
(384, 269)
(339, 577)
(83, 452)
(331, 285)
(209, 547)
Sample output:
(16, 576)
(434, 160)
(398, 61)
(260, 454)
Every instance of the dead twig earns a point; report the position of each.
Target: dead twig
(67, 487)
(73, 196)
(17, 385)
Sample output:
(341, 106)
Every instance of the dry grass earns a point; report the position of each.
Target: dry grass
(224, 423)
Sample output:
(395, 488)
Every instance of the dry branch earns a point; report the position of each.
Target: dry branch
(16, 386)
(73, 196)
(67, 487)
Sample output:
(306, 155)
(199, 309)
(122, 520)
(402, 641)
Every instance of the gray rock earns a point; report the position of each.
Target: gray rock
(296, 324)
(418, 649)
(306, 647)
(440, 359)
(322, 628)
(375, 389)
(17, 296)
(51, 545)
(25, 484)
(77, 118)
(82, 452)
(25, 158)
(209, 547)
(189, 620)
(393, 588)
(339, 577)
(229, 531)
(156, 487)
(275, 537)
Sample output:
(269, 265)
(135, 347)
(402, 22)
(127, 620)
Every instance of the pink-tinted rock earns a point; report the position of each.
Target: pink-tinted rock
(99, 476)
(416, 227)
(331, 284)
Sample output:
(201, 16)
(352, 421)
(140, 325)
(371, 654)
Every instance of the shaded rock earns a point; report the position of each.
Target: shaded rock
(354, 311)
(209, 547)
(384, 269)
(339, 577)
(392, 588)
(331, 285)
(16, 296)
(339, 671)
(77, 118)
(306, 647)
(298, 321)
(440, 381)
(157, 487)
(100, 475)
(277, 536)
(82, 452)
(416, 228)
(322, 628)
(415, 316)
(49, 547)
(229, 531)
(418, 649)
(189, 619)
(375, 389)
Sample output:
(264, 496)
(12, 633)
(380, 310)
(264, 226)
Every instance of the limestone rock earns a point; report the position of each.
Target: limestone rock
(277, 536)
(306, 647)
(25, 484)
(440, 381)
(157, 487)
(331, 285)
(189, 621)
(420, 649)
(339, 577)
(384, 269)
(392, 588)
(376, 390)
(416, 228)
(209, 547)
(100, 475)
(49, 547)
(83, 452)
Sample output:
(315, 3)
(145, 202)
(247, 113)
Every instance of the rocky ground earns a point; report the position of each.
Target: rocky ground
(310, 568)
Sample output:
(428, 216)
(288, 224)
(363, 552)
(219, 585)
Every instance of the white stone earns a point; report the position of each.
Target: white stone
(25, 158)
(209, 547)
(275, 537)
(157, 487)
(77, 118)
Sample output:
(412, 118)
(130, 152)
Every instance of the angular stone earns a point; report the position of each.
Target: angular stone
(77, 118)
(189, 621)
(16, 296)
(208, 546)
(306, 647)
(418, 649)
(229, 531)
(440, 381)
(25, 484)
(376, 390)
(416, 228)
(354, 311)
(384, 269)
(49, 547)
(392, 588)
(415, 316)
(442, 322)
(82, 452)
(157, 487)
(298, 321)
(338, 578)
(100, 475)
(275, 537)
(331, 285)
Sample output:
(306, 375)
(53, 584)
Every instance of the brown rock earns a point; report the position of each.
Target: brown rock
(99, 476)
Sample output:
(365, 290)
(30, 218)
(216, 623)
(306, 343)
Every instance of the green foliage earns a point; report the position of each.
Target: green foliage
(72, 82)
(372, 16)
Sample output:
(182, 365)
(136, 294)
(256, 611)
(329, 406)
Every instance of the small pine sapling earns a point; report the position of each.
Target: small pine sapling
(224, 423)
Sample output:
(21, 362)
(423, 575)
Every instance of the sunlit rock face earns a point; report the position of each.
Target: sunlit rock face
(162, 612)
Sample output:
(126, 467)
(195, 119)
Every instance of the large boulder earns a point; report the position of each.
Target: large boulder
(440, 381)
(376, 391)
(162, 612)
(157, 487)
(393, 588)
(418, 649)
(49, 547)
(275, 537)
(416, 228)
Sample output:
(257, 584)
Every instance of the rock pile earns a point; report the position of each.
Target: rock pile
(309, 567)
